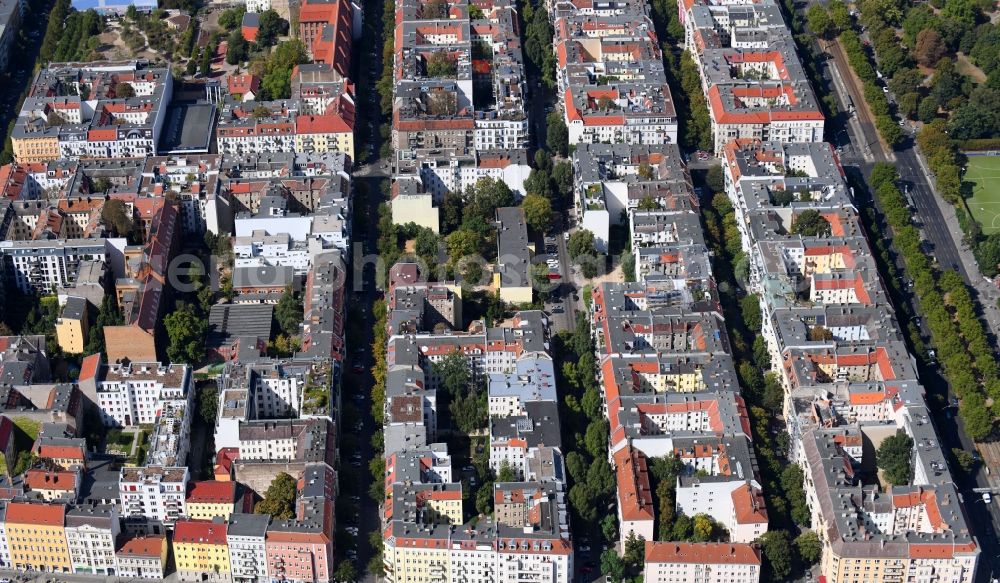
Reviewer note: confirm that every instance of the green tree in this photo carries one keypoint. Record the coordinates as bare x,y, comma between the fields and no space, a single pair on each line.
271,27
634,552
581,498
232,18
453,371
810,223
809,548
648,203
486,197
205,67
279,500
557,134
819,21
288,312
609,527
442,64
451,211
612,565
750,308
462,243
581,243
208,404
774,394
115,214
506,473
345,572
893,458
238,48
186,333
426,245
777,555
124,90
595,440
470,411
537,212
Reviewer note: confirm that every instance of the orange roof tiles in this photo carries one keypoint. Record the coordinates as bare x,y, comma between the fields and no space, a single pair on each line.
144,546
38,479
39,514
634,495
702,553
748,503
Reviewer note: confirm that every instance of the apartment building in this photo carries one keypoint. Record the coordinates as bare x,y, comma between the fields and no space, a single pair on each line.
611,80
668,380
153,497
459,109
245,535
513,275
36,537
209,499
73,325
528,537
44,266
136,393
192,181
200,549
142,557
752,78
73,111
610,180
91,535
669,562
848,377
325,26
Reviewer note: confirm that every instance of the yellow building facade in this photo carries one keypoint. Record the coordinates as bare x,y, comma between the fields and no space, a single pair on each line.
72,326
36,535
40,149
200,550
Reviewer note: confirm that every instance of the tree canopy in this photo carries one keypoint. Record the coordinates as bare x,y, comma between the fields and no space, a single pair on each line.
279,500
810,223
893,458
186,333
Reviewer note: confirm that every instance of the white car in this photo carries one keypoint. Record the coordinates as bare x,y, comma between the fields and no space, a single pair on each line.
987,498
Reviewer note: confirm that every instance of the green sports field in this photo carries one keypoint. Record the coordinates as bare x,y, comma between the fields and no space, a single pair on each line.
984,174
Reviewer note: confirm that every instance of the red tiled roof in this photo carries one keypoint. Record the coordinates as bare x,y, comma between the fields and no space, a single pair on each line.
143,546
61,452
212,492
200,532
39,514
89,367
45,480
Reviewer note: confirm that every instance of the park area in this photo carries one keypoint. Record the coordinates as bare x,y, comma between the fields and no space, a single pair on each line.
984,174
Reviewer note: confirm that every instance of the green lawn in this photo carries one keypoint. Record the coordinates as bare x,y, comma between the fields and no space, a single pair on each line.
984,173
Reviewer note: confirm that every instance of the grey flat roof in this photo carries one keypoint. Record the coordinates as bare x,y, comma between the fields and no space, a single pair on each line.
188,129
229,321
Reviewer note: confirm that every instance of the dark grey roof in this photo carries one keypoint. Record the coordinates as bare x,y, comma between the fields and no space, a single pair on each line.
263,276
230,321
539,427
248,525
75,308
512,247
